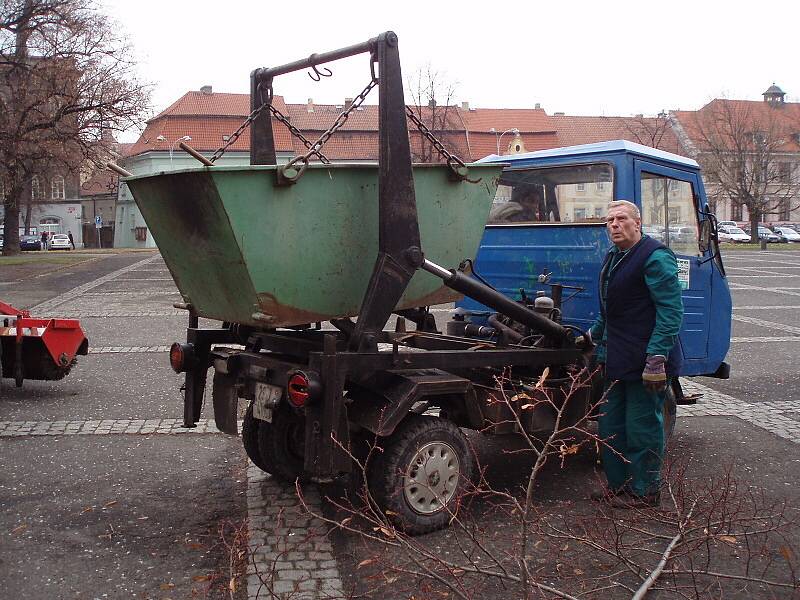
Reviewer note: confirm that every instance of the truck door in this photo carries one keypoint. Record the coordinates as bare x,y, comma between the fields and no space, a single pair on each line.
668,200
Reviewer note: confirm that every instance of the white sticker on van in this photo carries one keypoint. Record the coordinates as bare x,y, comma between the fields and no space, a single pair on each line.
683,272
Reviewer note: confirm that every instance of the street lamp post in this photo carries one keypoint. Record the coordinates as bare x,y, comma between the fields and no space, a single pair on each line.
183,138
499,136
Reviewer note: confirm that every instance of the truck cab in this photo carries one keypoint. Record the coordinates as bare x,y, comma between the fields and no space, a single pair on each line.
547,226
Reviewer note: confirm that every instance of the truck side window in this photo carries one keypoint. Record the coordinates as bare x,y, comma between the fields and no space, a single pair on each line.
669,214
570,194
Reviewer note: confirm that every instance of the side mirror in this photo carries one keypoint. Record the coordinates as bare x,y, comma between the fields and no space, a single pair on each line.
706,234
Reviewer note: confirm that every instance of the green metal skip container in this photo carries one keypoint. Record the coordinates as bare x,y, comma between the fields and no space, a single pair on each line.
242,249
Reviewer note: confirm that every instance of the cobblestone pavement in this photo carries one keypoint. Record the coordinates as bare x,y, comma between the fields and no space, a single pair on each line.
286,559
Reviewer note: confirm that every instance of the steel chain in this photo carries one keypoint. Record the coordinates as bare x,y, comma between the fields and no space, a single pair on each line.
279,116
326,135
315,149
456,164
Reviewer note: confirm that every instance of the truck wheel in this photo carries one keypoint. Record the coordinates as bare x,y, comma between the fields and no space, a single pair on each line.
421,474
282,444
250,433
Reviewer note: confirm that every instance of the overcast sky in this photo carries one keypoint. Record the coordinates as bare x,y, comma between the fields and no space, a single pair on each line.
581,58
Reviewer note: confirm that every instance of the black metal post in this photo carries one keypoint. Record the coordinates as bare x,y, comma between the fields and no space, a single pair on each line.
399,252
262,141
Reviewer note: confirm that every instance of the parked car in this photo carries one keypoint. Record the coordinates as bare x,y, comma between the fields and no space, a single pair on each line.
683,234
787,234
722,224
766,234
60,241
731,233
654,231
30,242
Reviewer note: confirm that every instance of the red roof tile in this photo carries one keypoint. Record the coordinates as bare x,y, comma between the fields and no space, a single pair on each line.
214,115
209,104
650,131
745,115
527,120
364,118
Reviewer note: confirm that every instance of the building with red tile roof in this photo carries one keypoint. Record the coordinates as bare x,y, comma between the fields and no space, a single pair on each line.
725,133
208,118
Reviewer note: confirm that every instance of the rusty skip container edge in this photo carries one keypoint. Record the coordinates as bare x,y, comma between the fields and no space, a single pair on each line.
237,244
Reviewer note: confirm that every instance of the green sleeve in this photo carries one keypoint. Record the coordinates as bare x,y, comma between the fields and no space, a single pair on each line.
598,328
661,278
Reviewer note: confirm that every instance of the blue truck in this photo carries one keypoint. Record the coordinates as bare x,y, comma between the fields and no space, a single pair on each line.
547,227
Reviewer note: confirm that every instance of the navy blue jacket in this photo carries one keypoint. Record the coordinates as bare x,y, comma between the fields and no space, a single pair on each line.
630,314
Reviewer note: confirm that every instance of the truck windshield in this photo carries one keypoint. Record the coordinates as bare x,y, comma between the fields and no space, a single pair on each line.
569,194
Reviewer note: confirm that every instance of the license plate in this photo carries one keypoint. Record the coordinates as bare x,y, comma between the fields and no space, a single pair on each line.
267,398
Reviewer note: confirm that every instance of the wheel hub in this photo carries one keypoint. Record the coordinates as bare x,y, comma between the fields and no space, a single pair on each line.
432,478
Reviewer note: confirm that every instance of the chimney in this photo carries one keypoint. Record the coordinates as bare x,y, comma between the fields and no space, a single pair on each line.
348,102
558,114
206,89
465,106
537,106
310,105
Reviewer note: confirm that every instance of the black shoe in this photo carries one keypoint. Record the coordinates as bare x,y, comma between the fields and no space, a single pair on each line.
605,494
627,501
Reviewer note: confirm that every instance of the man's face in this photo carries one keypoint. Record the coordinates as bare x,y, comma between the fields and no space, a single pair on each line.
623,228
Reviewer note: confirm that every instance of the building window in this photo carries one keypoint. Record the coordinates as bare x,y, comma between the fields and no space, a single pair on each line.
36,190
580,188
600,186
57,188
736,211
785,172
785,209
50,224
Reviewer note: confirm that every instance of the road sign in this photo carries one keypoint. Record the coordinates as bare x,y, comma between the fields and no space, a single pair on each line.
98,221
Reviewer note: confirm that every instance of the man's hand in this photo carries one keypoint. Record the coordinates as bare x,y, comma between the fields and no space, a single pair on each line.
654,375
584,342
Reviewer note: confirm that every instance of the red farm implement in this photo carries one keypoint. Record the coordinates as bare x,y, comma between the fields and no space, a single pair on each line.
34,348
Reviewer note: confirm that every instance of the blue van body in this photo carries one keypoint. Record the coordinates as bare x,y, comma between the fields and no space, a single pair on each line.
527,256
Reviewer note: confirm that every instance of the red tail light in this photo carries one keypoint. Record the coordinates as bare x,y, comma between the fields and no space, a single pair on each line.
297,389
181,357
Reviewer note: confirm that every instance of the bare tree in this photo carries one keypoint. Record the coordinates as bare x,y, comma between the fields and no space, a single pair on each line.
65,79
655,132
742,148
431,97
713,538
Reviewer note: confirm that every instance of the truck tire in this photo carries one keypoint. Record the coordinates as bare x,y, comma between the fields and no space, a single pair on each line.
282,444
421,474
250,431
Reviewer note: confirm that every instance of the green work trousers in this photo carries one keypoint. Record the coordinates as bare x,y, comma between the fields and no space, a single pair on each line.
632,423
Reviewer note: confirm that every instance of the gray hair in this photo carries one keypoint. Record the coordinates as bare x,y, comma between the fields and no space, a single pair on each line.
632,208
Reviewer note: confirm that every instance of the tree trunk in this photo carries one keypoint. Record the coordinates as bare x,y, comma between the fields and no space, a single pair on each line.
755,219
11,226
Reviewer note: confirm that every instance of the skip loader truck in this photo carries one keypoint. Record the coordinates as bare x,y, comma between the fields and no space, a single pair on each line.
304,264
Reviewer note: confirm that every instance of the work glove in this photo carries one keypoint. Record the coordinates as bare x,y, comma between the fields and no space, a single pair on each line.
654,375
584,342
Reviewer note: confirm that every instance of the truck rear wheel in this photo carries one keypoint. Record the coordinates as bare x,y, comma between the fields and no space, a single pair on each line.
282,444
250,433
422,473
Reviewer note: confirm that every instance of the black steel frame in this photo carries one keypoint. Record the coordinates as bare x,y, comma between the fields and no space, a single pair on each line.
352,354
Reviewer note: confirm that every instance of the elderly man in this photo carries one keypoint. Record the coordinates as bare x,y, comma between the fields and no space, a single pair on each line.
636,333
